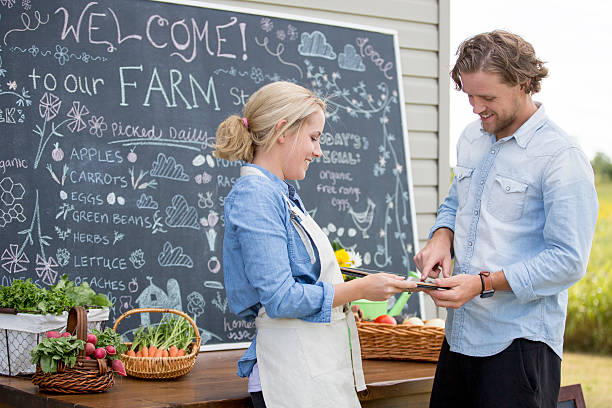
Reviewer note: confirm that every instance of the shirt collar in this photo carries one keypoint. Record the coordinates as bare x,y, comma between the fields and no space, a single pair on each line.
280,184
525,133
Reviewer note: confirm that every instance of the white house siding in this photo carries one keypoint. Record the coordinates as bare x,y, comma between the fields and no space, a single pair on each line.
423,34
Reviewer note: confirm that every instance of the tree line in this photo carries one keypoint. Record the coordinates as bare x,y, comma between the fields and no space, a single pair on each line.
602,166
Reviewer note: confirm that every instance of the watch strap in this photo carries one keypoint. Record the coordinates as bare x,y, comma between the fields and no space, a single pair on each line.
487,284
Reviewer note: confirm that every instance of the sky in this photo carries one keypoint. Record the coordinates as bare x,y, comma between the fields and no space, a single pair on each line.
573,38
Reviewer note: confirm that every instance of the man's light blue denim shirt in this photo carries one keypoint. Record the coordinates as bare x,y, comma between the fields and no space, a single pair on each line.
265,262
527,205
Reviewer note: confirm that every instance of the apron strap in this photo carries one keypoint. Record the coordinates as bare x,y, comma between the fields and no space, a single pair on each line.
355,352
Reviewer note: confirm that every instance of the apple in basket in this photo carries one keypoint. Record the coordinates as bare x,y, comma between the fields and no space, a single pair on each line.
385,319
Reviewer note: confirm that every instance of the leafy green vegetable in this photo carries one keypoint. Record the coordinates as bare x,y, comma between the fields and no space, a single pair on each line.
50,351
82,295
26,296
109,337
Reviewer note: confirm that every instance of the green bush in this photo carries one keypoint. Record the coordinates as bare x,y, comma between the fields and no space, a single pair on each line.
589,314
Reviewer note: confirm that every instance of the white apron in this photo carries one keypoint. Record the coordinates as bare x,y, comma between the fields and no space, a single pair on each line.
303,364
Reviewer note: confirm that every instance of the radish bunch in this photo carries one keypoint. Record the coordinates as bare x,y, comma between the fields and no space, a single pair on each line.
103,351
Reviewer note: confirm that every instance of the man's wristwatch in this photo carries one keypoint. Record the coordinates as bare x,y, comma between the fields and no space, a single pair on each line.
487,284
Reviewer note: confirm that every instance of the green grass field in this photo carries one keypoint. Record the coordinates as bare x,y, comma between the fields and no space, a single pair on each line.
593,372
589,327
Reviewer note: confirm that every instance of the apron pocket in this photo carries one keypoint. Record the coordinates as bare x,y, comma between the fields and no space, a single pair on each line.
326,348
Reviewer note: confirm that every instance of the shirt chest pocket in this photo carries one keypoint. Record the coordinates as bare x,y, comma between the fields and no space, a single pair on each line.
300,247
507,198
463,177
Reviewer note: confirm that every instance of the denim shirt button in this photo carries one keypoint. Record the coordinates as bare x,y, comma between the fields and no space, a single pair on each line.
492,151
475,212
470,243
507,188
481,182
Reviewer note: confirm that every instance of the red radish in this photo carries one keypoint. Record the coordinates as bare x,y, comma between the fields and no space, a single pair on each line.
110,350
66,334
87,358
91,338
89,349
100,353
53,334
57,153
118,367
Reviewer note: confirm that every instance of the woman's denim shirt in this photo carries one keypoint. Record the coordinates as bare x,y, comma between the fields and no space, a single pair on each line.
265,262
527,205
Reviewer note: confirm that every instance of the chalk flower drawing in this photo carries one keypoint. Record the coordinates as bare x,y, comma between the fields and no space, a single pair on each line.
13,261
49,106
266,24
45,271
292,32
61,54
8,3
34,50
77,112
12,85
97,126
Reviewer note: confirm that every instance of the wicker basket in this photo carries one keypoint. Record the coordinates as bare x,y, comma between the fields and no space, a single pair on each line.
399,342
86,376
160,367
20,332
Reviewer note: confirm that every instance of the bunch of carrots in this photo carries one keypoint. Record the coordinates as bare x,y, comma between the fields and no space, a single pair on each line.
170,338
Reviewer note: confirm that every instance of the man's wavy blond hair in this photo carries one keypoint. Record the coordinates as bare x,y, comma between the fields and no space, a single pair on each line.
502,53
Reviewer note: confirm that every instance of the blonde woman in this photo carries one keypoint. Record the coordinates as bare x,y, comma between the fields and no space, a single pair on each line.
279,266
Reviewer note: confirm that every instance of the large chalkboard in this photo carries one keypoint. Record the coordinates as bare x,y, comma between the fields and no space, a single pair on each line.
108,112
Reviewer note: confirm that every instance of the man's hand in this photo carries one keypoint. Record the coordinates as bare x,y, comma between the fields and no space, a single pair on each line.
436,255
463,288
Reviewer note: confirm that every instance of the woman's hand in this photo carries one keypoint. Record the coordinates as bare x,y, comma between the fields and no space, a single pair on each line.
382,286
378,286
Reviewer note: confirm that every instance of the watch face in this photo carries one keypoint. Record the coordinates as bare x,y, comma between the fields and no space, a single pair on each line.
487,293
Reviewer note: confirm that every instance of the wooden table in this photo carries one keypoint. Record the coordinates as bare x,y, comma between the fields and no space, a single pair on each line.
213,384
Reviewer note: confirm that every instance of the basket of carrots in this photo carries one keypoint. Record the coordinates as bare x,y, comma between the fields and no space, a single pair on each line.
162,351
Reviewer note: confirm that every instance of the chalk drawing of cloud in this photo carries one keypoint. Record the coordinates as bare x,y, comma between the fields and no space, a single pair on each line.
349,59
180,214
174,256
147,202
167,167
316,45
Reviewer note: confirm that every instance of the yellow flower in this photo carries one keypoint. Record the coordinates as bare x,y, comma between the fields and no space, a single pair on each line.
343,258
